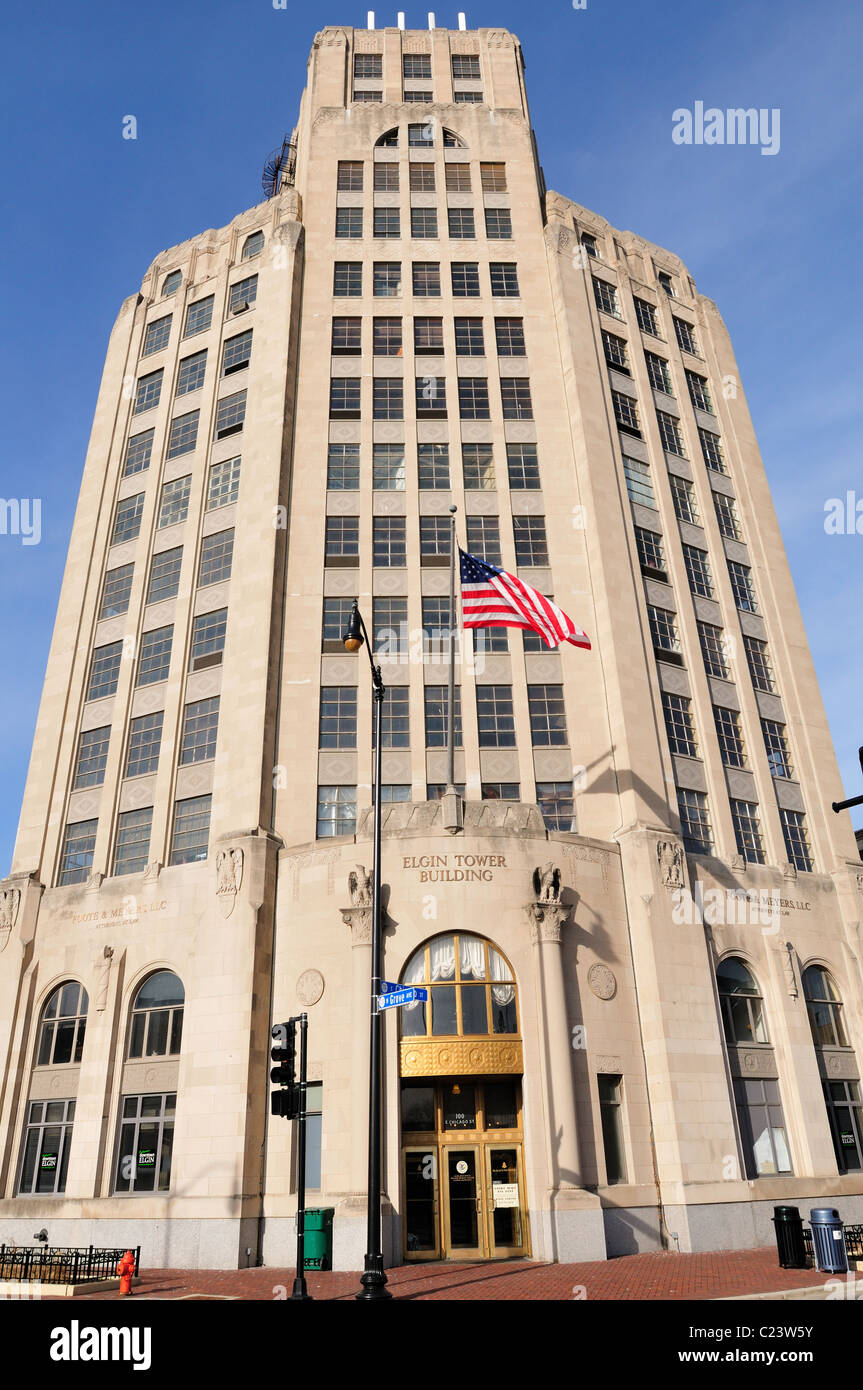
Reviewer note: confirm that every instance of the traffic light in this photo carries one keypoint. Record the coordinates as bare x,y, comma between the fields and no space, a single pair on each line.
286,1100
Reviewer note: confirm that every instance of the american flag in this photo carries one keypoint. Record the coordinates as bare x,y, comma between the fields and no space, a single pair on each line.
492,598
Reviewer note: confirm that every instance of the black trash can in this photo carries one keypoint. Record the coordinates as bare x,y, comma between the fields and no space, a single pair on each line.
828,1240
789,1237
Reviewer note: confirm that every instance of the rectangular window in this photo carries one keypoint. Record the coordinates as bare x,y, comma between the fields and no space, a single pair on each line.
387,279
461,223
156,336
606,298
469,98
223,484
436,628
348,279
651,555
469,341
555,801
419,97
645,315
433,464
421,176
421,136
368,65
47,1140
698,571
495,716
711,448
237,353
428,336
345,397
666,282
669,433
116,591
638,483
386,337
660,376
371,97
183,435
478,467
762,1128
695,827
145,741
760,667
342,538
663,631
611,1118
208,639
199,316
217,553
349,224
386,179
104,670
343,467
390,627
242,294
395,718
424,223
92,757
504,280
389,542
473,402
337,811
515,398
713,650
776,745
436,790
747,831
547,716
683,497
200,728
418,66
191,373
531,545
154,659
626,413
699,392
498,224
138,453
127,519
509,336
165,575
493,178
387,222
796,839
483,538
230,415
457,178
677,710
388,398
148,391
588,242
191,836
726,516
388,468
465,279
437,714
350,176
743,587
132,848
336,616
615,352
465,65
145,1144
730,736
76,859
500,791
435,538
685,336
523,467
174,504
430,397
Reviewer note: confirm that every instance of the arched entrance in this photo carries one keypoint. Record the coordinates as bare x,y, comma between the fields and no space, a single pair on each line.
461,1105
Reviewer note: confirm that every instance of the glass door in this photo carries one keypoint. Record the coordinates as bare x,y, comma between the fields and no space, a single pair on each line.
463,1206
504,1201
422,1207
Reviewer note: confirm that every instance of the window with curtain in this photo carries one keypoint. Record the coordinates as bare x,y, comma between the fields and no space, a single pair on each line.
471,989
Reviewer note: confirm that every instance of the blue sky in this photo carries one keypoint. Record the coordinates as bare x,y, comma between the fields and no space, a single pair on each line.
213,87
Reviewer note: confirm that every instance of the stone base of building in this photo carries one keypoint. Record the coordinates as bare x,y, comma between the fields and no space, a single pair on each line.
744,1225
174,1243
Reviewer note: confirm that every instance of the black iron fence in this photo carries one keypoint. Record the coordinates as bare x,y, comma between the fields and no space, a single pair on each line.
853,1243
57,1264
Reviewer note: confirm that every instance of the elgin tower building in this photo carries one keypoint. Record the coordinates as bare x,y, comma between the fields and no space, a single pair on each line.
640,938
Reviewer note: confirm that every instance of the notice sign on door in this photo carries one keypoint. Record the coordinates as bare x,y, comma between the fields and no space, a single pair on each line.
505,1194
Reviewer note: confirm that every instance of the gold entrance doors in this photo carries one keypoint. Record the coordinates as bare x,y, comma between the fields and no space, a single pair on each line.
463,1169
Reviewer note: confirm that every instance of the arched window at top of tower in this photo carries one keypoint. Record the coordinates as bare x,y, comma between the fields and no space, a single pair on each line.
389,139
172,283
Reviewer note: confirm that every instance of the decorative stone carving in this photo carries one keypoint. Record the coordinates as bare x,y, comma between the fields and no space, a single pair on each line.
546,883
609,1064
564,239
428,1057
860,883
669,854
94,883
602,981
360,885
152,871
359,919
547,913
310,987
229,876
499,38
331,38
10,901
790,974
790,871
104,975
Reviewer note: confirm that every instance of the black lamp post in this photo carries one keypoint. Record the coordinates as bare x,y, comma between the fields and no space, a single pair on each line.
374,1279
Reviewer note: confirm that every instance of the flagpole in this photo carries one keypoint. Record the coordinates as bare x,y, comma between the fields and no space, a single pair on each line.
452,805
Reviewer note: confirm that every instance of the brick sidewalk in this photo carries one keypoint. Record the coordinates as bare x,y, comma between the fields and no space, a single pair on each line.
655,1276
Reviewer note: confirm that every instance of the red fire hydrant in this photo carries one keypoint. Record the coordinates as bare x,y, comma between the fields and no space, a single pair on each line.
125,1269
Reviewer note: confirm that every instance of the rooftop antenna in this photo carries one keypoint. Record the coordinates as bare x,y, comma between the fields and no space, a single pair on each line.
462,19
431,19
370,19
401,19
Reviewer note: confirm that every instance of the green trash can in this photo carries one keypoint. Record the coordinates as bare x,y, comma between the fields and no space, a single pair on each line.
318,1230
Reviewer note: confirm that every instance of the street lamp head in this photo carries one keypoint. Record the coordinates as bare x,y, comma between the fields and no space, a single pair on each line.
353,638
